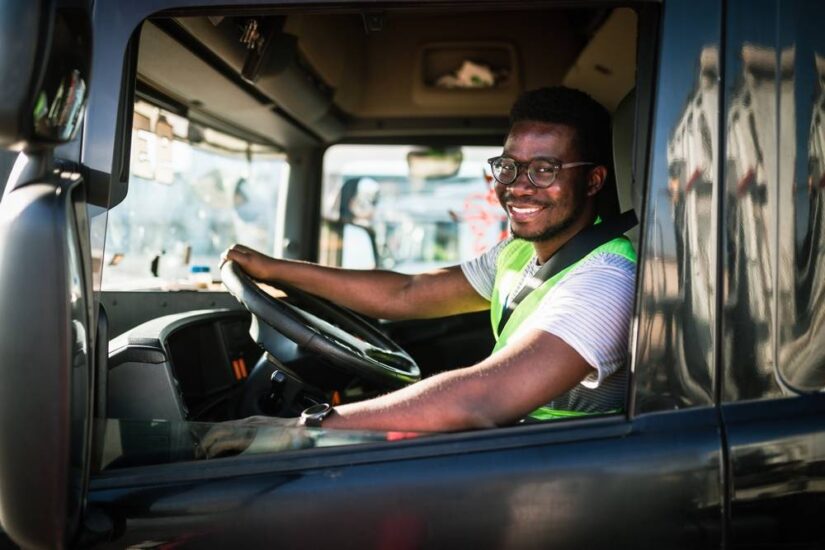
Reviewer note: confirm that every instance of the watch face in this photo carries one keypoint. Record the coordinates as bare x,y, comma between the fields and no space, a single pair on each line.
314,415
318,409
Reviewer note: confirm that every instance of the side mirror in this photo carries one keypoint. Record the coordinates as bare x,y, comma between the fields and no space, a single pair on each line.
45,425
44,71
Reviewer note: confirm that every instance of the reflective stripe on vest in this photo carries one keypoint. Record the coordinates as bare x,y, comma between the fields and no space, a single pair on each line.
510,267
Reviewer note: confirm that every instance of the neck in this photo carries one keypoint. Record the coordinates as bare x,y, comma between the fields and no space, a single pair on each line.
546,249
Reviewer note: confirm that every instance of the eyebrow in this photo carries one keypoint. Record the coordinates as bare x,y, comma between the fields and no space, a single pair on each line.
543,157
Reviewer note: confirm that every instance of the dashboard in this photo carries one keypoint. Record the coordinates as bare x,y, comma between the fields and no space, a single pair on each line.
189,366
204,366
210,360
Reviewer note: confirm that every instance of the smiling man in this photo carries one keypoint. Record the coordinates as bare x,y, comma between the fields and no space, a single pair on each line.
561,351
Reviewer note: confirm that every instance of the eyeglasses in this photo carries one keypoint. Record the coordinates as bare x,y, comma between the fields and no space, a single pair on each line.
541,172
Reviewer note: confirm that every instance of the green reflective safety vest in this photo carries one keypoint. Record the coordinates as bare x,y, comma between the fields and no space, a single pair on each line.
510,267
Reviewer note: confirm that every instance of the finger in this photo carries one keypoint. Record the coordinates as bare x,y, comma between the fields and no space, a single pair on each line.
241,249
220,440
225,255
223,447
236,250
236,256
230,443
212,437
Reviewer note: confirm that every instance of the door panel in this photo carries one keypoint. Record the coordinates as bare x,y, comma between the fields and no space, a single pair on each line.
775,261
588,484
777,457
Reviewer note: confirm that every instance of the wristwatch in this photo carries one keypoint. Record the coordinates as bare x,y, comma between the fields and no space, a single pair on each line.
313,416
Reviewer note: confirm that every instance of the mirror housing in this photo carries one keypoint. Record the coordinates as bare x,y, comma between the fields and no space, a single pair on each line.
45,362
44,71
431,164
45,279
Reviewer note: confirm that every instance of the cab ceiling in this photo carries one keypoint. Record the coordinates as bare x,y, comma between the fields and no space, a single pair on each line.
322,78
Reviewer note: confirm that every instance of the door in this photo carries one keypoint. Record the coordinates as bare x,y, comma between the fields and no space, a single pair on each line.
774,368
650,476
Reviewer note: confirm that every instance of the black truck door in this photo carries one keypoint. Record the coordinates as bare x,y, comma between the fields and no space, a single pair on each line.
774,368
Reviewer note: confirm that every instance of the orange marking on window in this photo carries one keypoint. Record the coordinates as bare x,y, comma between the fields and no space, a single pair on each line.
242,365
336,398
237,369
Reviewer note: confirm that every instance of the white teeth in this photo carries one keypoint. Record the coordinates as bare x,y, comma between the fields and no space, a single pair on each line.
530,210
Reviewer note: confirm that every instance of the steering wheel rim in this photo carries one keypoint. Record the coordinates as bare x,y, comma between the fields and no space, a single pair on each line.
369,353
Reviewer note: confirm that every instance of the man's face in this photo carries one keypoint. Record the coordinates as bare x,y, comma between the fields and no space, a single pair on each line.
540,214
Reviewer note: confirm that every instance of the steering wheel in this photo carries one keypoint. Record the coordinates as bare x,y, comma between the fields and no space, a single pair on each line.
315,324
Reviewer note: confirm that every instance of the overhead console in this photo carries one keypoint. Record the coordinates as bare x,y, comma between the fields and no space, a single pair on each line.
209,93
263,63
452,74
305,79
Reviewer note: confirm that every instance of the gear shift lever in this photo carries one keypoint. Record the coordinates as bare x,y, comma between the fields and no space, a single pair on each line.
277,385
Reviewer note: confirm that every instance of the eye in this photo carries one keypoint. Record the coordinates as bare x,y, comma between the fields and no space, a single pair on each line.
543,168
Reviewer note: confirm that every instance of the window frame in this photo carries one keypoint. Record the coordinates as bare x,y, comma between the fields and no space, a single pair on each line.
447,444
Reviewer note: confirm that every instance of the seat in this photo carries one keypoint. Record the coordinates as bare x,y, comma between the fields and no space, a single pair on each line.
628,195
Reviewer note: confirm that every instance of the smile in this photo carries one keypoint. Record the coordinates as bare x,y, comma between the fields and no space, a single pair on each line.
523,213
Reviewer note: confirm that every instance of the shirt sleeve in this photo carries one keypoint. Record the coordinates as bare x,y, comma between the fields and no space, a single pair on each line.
481,270
591,309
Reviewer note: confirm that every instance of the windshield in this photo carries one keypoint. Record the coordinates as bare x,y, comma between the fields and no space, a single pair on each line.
193,191
423,208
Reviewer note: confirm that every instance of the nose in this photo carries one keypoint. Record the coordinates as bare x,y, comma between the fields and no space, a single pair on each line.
522,185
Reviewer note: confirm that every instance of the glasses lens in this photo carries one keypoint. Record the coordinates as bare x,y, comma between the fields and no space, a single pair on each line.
542,172
504,170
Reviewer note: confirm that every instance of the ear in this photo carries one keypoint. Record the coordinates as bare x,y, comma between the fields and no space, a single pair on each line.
595,180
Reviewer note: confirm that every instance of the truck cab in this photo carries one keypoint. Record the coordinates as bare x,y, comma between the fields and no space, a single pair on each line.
141,140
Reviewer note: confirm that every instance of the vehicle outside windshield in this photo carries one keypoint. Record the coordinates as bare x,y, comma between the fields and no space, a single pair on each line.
418,212
193,191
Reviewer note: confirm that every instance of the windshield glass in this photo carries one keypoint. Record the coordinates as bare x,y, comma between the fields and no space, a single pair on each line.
193,191
421,208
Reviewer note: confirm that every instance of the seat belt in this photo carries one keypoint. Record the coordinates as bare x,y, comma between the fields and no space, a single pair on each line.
582,244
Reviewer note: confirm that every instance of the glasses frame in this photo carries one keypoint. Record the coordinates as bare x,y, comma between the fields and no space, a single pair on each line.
519,165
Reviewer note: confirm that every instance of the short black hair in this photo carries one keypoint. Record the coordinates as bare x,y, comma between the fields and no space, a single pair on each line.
562,105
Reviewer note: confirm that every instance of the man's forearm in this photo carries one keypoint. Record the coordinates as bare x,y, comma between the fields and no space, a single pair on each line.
449,401
375,293
380,293
496,392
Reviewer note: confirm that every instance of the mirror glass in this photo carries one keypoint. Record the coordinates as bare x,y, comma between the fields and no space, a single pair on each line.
58,104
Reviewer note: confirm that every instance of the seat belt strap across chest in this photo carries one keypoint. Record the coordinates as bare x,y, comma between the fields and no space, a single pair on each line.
582,244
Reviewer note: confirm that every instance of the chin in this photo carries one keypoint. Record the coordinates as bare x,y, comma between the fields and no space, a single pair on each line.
534,237
541,234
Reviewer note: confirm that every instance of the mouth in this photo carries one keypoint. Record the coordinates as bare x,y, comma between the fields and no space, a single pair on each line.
523,213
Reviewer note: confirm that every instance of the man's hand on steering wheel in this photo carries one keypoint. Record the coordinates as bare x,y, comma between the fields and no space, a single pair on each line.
257,265
317,325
